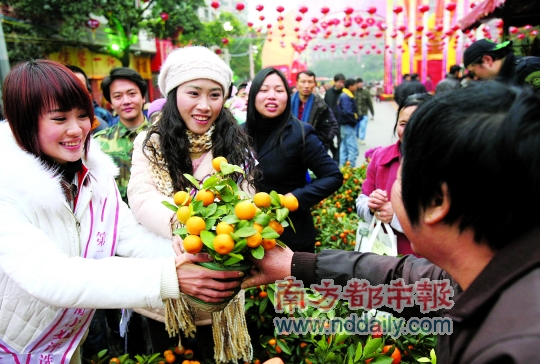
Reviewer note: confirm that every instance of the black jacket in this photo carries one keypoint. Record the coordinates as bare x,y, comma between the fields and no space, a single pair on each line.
496,320
323,121
331,97
284,170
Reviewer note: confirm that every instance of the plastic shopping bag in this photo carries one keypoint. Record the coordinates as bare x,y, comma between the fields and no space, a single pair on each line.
380,239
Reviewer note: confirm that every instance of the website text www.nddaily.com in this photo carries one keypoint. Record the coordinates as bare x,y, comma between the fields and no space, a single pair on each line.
364,325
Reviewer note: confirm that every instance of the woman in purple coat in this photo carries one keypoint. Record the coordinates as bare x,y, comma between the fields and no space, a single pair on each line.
381,174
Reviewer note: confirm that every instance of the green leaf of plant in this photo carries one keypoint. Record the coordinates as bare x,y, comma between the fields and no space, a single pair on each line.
211,209
284,346
258,252
372,346
180,231
330,357
210,224
227,168
234,258
274,197
423,360
358,353
198,208
269,233
281,214
245,232
193,180
242,224
239,246
210,182
170,205
262,306
281,244
230,219
208,239
262,218
382,360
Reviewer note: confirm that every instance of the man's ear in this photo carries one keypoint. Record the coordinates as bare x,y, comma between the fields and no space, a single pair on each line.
487,59
440,205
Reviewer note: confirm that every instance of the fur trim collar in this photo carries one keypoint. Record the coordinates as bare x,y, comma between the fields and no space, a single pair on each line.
25,177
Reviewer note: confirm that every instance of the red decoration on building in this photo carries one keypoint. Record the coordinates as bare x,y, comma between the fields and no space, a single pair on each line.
259,8
240,6
419,28
398,9
372,10
451,6
349,11
303,9
92,23
280,9
314,20
298,18
325,10
280,18
423,8
261,18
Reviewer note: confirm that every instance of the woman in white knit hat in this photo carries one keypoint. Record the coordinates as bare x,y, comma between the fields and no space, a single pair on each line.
194,127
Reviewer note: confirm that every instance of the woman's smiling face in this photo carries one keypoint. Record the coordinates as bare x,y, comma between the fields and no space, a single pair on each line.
272,98
199,103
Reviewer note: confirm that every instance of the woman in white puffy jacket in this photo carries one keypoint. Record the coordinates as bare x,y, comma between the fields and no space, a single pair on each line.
68,244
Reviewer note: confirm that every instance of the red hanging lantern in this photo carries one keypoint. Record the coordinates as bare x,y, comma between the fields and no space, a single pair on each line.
402,28
373,46
398,9
269,39
323,49
372,10
358,20
419,28
378,35
280,9
303,9
344,34
418,36
364,26
407,35
259,8
451,6
368,51
324,25
360,46
240,6
439,28
314,20
280,18
325,10
164,16
250,24
297,29
281,27
379,51
423,8
92,23
261,18
269,26
298,18
393,35
383,26
370,21
349,11
215,4
353,34
225,41
347,24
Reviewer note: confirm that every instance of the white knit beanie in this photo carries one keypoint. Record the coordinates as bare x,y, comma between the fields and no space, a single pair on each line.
192,63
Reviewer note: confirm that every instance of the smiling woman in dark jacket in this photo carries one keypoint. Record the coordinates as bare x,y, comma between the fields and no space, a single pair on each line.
286,148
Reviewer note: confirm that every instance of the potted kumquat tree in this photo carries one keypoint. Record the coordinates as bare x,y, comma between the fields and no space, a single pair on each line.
228,224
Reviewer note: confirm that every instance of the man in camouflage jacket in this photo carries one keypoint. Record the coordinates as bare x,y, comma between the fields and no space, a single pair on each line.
125,90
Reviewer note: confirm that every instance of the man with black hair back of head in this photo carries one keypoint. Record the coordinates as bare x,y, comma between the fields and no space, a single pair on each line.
398,90
348,118
451,81
488,60
311,108
331,98
125,89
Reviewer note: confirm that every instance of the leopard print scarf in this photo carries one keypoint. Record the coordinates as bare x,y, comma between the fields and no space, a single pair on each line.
200,143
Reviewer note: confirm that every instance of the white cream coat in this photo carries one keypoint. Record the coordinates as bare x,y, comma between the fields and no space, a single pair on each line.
40,247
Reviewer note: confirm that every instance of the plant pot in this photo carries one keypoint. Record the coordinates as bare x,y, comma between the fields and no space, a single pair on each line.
242,266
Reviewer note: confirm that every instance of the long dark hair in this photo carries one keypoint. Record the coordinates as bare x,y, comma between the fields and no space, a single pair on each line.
253,116
228,140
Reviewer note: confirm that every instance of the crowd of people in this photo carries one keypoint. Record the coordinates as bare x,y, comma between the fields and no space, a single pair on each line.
81,197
